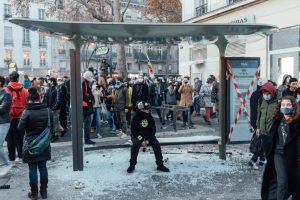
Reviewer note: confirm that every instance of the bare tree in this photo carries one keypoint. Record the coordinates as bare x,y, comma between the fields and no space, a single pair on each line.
84,10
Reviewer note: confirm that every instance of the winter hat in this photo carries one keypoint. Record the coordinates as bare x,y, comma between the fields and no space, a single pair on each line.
261,81
143,105
269,87
88,75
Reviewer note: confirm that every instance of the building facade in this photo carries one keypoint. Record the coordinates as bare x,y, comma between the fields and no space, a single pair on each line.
279,53
30,51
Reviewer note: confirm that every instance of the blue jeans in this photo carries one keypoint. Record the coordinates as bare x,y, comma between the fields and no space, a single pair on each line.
87,122
196,105
33,176
3,132
97,113
111,119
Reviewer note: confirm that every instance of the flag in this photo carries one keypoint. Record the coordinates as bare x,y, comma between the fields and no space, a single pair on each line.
151,73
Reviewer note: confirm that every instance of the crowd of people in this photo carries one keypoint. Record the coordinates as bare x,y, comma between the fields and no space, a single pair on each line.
28,109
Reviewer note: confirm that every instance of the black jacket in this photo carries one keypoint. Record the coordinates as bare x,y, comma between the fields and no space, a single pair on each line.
256,95
143,124
52,98
5,102
88,97
33,122
215,93
139,93
287,92
62,89
291,155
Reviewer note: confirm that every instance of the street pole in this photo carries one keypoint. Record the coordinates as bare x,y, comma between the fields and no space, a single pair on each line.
223,108
76,108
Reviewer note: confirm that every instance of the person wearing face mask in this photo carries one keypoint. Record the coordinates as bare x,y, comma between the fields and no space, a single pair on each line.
110,95
292,87
53,101
265,110
97,93
281,179
186,91
128,84
121,104
140,91
254,99
87,104
284,85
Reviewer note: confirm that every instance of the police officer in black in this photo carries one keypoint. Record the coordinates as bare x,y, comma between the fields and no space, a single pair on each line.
142,134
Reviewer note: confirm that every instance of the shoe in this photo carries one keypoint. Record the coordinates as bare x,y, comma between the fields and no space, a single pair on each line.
99,136
5,169
163,168
90,142
54,138
123,136
204,118
262,163
208,122
183,125
33,194
252,165
43,189
130,169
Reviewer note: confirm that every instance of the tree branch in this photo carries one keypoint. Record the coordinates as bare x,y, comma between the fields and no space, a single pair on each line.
124,11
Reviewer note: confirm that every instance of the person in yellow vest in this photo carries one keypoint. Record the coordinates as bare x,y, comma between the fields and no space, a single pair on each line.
128,84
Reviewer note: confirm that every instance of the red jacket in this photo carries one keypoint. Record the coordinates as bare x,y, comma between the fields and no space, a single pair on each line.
19,99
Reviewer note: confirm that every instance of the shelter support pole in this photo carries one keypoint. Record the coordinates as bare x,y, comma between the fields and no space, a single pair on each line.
76,106
223,108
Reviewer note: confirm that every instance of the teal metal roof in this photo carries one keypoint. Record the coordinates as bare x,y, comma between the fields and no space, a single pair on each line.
144,31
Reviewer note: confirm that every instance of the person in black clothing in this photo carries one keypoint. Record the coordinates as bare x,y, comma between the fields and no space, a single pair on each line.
53,101
62,89
33,122
140,91
281,177
143,133
292,87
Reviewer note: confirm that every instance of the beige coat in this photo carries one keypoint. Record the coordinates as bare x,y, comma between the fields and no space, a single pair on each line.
186,98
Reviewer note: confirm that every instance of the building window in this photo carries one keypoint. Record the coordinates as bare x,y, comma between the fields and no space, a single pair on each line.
25,12
202,8
129,66
159,53
230,2
62,65
8,36
41,14
128,51
60,4
149,51
42,41
26,37
7,11
42,59
26,59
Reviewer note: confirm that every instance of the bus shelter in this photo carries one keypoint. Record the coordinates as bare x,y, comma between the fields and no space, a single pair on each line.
108,33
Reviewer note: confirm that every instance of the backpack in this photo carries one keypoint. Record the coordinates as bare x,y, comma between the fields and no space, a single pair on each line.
17,102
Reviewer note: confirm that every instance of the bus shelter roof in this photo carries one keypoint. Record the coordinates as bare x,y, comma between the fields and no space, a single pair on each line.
141,31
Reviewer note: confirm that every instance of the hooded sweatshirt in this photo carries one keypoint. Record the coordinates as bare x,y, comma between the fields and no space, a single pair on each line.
143,125
266,109
19,99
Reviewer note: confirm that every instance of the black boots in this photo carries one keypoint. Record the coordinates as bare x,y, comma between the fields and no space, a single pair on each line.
161,167
130,169
33,194
43,189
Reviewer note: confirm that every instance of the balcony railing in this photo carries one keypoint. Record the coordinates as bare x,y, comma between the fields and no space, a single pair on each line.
6,16
8,42
153,56
206,8
201,10
42,44
26,44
